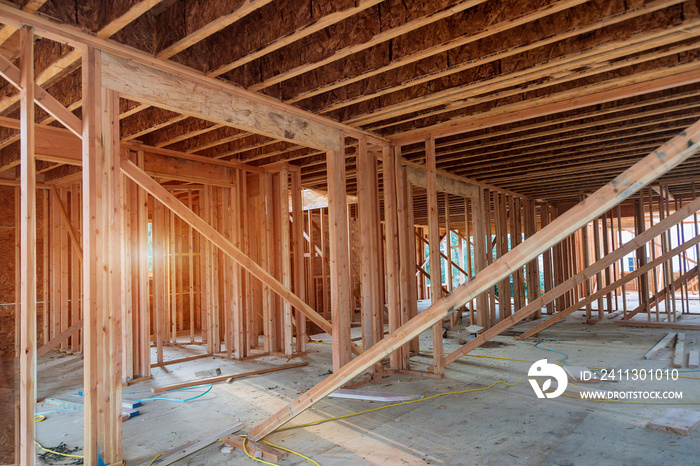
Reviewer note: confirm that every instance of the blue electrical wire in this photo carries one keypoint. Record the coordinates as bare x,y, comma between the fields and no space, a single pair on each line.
563,360
180,401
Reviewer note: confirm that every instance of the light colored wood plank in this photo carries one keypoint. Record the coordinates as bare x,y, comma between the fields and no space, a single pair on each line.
679,351
679,421
177,453
340,272
694,359
435,261
663,343
27,226
172,92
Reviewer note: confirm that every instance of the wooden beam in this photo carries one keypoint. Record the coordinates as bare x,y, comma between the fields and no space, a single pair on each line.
27,263
393,292
45,100
640,174
280,115
501,117
444,183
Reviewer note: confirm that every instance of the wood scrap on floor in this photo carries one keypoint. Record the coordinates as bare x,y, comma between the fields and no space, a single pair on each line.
665,341
679,354
227,378
180,452
255,449
127,412
680,421
694,359
372,396
208,373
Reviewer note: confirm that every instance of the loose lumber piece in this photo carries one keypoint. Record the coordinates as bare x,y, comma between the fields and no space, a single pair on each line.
633,323
627,183
680,421
267,452
694,359
178,361
128,409
180,452
679,352
665,341
372,396
222,378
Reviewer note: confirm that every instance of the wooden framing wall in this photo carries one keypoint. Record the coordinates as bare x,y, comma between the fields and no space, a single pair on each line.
242,268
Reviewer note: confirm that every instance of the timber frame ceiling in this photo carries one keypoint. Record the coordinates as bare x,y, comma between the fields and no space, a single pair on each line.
547,98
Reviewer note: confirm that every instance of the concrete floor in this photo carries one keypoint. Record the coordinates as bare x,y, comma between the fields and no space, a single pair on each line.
501,425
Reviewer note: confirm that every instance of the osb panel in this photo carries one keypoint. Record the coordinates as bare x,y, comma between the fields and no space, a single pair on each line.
542,55
206,138
608,75
145,119
421,39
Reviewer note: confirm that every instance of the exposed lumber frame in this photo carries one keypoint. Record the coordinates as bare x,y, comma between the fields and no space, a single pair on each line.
546,10
172,92
210,27
434,248
67,61
383,36
43,99
187,77
688,276
207,231
341,273
501,54
518,112
319,25
639,175
27,263
603,291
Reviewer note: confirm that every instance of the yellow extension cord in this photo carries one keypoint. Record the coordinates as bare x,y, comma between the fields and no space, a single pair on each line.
39,418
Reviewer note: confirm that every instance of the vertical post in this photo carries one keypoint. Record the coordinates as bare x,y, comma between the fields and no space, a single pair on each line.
286,261
92,158
478,213
391,248
144,285
298,240
340,263
27,297
406,261
369,256
434,245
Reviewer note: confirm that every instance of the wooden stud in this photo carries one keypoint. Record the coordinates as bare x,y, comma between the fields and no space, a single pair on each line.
27,263
340,262
434,239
